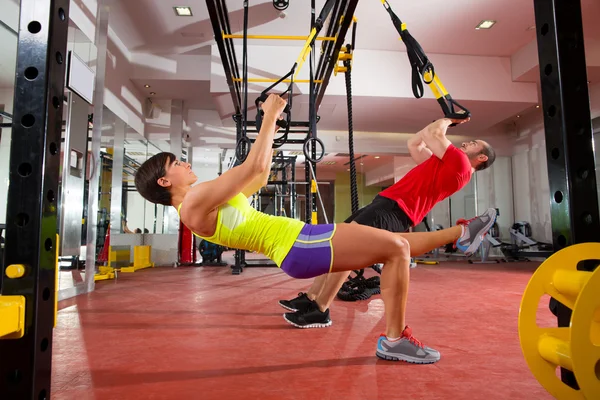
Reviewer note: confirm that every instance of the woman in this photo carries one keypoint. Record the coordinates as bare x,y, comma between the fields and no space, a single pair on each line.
218,211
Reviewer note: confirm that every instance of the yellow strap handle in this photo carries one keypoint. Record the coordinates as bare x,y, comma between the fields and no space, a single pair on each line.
436,85
305,51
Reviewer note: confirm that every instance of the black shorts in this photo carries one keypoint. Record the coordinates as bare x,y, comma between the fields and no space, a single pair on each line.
382,213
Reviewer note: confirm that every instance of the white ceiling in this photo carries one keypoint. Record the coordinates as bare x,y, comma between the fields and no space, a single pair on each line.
441,27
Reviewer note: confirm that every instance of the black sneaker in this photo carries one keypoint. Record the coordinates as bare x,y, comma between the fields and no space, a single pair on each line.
311,318
300,303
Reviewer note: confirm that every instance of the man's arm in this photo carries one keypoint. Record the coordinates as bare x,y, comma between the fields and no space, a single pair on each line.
418,149
434,136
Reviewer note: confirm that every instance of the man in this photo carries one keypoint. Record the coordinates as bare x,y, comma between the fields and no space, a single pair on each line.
442,170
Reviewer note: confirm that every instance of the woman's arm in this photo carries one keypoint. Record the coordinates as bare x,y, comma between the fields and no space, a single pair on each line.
206,196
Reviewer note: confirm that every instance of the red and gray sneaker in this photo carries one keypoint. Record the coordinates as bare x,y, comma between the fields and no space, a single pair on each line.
474,231
407,348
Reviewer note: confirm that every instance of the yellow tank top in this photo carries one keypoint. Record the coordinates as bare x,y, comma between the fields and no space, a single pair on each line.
240,226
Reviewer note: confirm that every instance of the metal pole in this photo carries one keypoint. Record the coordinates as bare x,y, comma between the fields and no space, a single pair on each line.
116,187
567,122
101,43
31,225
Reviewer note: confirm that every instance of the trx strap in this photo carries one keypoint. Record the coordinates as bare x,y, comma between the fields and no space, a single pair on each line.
243,143
285,124
423,69
282,123
320,21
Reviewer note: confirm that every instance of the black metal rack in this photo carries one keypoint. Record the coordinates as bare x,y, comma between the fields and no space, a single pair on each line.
287,182
31,223
569,142
341,17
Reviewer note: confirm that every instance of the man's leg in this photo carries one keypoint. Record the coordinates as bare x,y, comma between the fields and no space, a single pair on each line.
328,282
382,213
317,287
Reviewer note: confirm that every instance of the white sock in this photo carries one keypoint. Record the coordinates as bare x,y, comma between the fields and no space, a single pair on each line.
462,231
393,339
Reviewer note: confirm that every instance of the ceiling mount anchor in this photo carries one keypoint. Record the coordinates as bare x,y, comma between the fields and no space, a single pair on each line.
281,4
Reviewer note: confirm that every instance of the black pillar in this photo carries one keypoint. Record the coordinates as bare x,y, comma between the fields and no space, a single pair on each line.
311,198
25,366
568,126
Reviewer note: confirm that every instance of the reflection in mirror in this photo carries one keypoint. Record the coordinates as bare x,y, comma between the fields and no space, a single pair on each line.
75,166
141,216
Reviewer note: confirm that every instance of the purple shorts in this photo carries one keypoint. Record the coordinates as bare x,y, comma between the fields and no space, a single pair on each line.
312,253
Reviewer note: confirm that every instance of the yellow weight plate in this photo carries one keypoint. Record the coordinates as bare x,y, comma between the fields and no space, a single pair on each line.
585,337
562,264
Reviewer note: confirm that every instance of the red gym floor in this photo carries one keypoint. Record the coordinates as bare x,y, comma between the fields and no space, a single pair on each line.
202,333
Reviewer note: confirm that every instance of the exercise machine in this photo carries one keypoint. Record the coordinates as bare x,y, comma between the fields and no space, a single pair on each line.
211,253
522,246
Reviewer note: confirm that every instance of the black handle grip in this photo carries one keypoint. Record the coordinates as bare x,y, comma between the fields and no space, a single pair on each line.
242,148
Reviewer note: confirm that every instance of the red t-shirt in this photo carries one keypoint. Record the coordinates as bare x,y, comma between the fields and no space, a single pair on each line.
430,182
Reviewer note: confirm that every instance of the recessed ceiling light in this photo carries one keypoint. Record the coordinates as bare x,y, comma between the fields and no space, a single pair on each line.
376,156
485,24
518,116
183,11
537,106
152,93
146,86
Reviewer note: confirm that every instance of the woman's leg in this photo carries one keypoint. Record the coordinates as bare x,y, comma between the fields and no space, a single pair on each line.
357,246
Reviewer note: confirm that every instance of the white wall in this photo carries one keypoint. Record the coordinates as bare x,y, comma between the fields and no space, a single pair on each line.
205,164
530,171
440,215
121,96
136,210
494,190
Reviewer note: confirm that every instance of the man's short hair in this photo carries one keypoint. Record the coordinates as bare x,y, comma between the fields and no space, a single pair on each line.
491,157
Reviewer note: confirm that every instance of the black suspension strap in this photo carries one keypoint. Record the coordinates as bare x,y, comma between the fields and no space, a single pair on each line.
317,26
243,143
287,111
423,71
242,147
